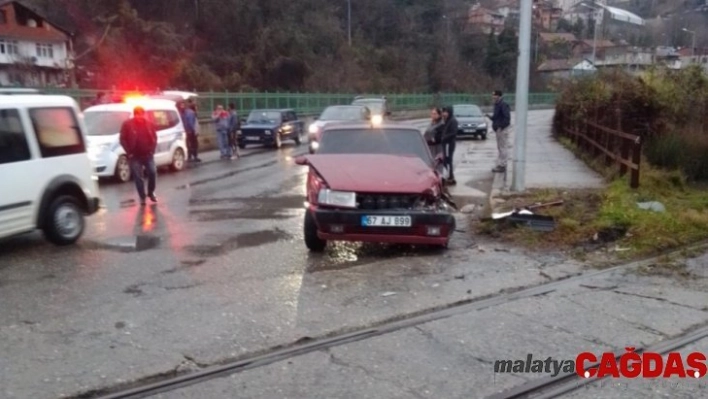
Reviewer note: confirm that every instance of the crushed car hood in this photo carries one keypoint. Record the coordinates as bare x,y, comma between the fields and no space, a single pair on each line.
369,173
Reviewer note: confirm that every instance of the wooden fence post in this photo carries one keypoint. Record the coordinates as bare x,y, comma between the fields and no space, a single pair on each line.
624,154
636,160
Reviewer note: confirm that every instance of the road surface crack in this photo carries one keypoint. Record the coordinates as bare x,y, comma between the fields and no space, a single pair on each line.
634,324
664,300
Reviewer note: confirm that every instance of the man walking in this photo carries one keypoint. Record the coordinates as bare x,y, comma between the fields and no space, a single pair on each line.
501,122
138,136
233,129
448,141
221,118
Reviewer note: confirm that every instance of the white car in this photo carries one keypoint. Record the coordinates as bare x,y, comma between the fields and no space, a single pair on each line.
336,114
108,156
46,181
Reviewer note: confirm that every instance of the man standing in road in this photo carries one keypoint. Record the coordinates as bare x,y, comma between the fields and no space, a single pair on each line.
189,119
138,136
221,118
501,123
233,129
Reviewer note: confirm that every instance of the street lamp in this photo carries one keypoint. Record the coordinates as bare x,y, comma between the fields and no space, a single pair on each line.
693,48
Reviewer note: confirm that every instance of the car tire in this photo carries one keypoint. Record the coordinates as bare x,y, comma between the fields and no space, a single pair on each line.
277,142
123,173
242,145
64,223
298,139
312,241
483,136
178,160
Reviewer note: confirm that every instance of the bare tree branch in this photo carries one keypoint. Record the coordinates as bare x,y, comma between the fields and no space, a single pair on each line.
98,43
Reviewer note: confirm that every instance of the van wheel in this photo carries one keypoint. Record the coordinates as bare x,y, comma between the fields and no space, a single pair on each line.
123,173
64,222
312,241
177,160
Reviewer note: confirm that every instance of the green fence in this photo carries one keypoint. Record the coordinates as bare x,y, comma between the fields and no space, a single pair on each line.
313,103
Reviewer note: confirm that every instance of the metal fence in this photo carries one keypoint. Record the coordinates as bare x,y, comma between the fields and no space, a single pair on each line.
313,103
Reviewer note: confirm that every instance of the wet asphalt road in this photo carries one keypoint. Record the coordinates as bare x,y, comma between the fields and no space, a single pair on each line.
221,271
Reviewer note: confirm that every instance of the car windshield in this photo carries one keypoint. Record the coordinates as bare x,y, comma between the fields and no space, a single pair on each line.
104,123
342,114
263,117
467,111
375,106
406,142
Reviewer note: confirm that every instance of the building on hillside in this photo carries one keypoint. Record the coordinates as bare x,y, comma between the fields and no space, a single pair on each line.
33,51
565,68
546,15
483,20
603,48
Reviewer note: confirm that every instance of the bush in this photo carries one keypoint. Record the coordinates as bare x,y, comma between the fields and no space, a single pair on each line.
668,109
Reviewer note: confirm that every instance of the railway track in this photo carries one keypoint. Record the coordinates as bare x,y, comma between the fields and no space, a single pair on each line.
542,388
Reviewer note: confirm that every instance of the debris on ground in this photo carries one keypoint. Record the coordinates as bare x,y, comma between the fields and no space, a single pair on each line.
385,294
652,206
525,216
469,208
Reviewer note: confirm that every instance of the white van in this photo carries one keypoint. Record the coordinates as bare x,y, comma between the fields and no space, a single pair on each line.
46,180
108,156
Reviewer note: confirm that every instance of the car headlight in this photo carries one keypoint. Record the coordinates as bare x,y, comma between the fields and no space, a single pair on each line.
482,126
376,120
344,199
268,132
313,128
315,145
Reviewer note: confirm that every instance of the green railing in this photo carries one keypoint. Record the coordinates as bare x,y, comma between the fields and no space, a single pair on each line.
313,103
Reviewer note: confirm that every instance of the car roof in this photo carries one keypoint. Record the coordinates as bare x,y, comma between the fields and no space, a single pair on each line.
36,99
184,94
273,110
147,104
367,126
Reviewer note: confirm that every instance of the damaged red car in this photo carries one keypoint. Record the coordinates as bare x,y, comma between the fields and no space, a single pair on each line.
375,184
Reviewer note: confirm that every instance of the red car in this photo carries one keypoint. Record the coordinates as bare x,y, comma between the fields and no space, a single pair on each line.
375,184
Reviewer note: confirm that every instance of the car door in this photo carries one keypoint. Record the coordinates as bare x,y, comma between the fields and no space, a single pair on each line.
164,137
17,169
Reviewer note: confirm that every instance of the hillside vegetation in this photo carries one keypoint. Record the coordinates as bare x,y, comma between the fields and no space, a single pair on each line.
283,45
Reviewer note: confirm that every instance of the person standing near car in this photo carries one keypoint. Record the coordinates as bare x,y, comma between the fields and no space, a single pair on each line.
138,136
233,129
189,120
448,141
221,118
501,122
433,133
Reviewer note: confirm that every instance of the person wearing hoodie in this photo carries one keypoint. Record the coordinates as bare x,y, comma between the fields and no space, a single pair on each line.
448,141
221,118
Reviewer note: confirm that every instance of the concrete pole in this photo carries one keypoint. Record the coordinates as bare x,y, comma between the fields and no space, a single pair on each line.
522,96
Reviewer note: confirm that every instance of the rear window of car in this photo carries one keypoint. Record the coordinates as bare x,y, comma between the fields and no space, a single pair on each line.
13,142
57,130
407,142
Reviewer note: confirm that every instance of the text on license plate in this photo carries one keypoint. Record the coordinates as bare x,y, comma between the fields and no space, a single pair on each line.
469,130
393,221
252,138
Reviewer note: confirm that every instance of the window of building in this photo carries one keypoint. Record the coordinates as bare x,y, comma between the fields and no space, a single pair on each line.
3,17
57,131
13,142
10,47
45,50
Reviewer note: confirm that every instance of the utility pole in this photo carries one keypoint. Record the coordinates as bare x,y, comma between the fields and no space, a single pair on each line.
349,19
693,48
522,95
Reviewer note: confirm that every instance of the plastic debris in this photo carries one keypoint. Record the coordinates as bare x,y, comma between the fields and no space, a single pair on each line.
652,206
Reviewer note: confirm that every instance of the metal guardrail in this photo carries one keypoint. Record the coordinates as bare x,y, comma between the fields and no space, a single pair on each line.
313,103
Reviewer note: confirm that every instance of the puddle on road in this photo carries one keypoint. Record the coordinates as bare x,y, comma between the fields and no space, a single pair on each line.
136,243
227,175
239,241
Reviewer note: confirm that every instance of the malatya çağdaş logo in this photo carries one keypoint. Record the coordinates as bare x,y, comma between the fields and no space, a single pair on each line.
630,364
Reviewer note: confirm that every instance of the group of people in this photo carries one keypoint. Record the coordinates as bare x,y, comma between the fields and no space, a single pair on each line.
441,135
227,125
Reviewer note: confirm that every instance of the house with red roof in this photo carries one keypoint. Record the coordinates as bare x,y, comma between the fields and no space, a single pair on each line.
33,51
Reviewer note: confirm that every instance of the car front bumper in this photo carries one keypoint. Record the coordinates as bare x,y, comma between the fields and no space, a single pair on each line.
471,131
104,163
345,225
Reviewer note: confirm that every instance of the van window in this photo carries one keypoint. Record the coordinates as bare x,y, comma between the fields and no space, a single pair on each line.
57,131
163,119
13,142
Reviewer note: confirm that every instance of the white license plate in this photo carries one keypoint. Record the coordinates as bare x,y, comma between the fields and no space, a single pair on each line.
253,138
469,130
392,221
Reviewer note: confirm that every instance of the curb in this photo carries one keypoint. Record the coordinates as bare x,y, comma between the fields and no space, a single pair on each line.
498,188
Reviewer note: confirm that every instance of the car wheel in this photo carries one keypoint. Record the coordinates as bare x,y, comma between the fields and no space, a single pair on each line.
484,136
298,139
123,172
312,241
64,222
242,145
177,160
278,141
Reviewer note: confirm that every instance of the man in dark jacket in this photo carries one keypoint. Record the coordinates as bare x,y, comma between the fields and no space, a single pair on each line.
501,124
138,136
448,141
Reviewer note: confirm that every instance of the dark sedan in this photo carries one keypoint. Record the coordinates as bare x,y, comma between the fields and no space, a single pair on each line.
470,120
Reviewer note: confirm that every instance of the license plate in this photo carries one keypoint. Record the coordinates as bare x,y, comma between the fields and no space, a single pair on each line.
469,130
253,138
392,221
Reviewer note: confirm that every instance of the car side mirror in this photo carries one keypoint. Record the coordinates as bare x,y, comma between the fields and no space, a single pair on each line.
301,160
